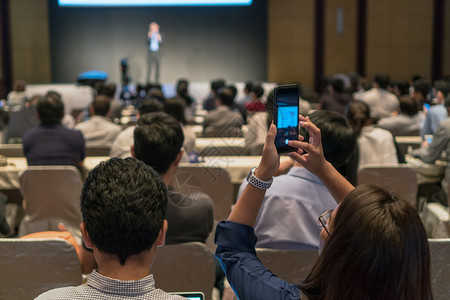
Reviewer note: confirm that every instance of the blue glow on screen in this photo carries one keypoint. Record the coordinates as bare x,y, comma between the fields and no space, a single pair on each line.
151,2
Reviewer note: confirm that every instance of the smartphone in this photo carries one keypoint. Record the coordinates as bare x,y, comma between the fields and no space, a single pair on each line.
286,100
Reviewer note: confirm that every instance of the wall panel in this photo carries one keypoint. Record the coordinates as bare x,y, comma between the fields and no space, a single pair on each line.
446,68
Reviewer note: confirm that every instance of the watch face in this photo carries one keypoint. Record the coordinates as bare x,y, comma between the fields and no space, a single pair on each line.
252,171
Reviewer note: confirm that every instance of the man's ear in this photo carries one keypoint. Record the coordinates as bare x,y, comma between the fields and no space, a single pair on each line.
161,239
176,162
86,239
132,151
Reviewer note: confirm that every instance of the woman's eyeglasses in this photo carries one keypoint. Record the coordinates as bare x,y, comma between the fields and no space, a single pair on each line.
324,219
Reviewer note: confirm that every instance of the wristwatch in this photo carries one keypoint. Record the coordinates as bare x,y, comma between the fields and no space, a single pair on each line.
258,183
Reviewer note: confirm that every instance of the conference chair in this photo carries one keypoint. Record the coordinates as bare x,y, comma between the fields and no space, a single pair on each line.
290,265
30,267
98,150
11,150
440,268
213,181
51,195
398,179
184,267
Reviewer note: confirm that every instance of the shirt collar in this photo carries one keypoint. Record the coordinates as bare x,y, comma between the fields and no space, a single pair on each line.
120,287
303,173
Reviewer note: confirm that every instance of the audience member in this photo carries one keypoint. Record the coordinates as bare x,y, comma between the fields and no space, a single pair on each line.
255,104
400,88
175,107
158,141
246,98
437,113
123,204
222,121
420,92
441,142
235,106
22,120
210,102
51,143
335,99
17,96
375,145
287,218
68,120
373,245
99,130
381,102
183,93
408,122
122,144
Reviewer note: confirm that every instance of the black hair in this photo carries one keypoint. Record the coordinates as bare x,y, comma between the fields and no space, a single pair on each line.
182,90
101,105
158,139
150,105
233,90
358,115
382,80
225,95
443,87
337,84
248,87
50,108
258,91
123,203
175,108
108,89
408,106
338,138
217,84
422,86
402,87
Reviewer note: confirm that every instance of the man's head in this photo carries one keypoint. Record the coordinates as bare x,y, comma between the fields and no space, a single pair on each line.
50,108
158,140
123,204
100,105
442,89
217,84
337,84
257,91
421,89
381,80
225,97
338,139
149,106
408,106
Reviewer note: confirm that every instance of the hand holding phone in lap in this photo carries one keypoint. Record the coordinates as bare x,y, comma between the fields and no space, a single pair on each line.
285,114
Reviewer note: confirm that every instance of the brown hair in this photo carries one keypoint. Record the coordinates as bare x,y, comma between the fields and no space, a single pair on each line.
378,249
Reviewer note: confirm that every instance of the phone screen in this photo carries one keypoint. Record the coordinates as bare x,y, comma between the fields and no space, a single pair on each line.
286,116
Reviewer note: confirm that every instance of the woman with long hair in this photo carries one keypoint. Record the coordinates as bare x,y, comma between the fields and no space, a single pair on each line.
374,244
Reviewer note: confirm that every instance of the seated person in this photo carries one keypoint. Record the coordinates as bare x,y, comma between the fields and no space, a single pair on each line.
375,145
368,223
22,120
99,130
17,96
407,122
158,141
210,102
123,204
222,121
287,218
436,113
334,98
255,104
122,144
51,143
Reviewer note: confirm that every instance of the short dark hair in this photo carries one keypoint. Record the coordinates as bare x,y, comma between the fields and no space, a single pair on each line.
382,80
443,87
225,95
50,108
378,249
108,89
175,108
158,139
150,105
358,115
258,91
101,105
337,84
408,106
422,86
217,84
123,203
338,139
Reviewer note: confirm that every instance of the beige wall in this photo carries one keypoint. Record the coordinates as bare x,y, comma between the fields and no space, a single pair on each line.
290,53
340,48
399,37
30,44
446,68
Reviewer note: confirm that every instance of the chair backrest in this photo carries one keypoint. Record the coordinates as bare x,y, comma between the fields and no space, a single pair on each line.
184,267
440,268
290,265
398,179
51,195
215,182
98,151
30,267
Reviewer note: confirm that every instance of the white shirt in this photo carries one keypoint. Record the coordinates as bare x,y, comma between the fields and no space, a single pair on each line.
381,102
288,218
99,131
376,146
